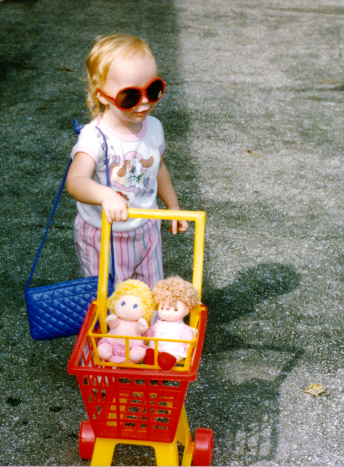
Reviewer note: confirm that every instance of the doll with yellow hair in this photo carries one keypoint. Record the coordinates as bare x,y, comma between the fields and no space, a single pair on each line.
131,306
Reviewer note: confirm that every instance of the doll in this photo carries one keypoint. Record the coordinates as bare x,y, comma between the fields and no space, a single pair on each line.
175,298
131,306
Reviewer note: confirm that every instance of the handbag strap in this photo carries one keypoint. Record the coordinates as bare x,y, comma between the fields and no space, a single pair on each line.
77,130
108,184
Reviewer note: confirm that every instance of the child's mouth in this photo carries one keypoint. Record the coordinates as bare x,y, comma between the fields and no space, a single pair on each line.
142,112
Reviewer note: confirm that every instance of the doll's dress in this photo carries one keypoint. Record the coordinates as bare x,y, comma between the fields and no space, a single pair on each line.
118,350
171,330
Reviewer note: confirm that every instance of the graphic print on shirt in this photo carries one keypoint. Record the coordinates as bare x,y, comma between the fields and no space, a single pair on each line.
129,173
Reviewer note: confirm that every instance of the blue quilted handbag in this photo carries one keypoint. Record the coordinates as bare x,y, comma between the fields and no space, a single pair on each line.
58,310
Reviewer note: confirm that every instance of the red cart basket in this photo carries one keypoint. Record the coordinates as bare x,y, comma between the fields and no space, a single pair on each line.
137,403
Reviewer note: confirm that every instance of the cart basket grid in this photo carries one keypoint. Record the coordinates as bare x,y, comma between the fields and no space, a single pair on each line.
127,403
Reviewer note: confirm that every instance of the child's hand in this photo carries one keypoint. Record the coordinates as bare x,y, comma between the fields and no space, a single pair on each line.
178,226
83,188
115,207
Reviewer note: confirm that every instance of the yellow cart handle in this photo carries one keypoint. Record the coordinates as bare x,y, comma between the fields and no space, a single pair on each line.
195,216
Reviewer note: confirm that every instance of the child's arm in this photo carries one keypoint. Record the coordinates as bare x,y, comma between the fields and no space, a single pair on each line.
168,196
81,187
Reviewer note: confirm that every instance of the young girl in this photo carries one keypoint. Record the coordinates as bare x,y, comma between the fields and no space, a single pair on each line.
123,88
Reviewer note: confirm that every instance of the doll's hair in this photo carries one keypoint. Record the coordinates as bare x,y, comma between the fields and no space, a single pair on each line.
175,289
138,289
104,50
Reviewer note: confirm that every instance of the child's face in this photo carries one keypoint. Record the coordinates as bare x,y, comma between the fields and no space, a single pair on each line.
125,73
173,312
128,307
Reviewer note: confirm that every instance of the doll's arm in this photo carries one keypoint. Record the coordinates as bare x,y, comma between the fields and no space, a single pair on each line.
168,196
141,326
81,187
112,321
151,331
188,333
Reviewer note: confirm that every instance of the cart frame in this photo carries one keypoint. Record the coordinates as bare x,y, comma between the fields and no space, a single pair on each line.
136,404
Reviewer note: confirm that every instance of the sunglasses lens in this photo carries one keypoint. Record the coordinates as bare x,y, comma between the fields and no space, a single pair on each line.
155,90
128,98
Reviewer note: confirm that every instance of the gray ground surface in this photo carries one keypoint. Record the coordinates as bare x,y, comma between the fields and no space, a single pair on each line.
253,116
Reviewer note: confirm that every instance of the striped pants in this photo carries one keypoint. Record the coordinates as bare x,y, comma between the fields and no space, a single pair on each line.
138,253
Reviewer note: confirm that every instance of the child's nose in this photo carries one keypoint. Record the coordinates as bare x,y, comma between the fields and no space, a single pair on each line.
168,308
144,99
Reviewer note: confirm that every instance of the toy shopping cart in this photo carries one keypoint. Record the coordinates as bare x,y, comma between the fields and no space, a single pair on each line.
139,404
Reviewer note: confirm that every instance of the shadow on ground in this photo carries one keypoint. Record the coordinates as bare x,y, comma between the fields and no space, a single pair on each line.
239,384
251,287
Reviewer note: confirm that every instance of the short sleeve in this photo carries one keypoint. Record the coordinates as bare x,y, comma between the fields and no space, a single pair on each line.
89,143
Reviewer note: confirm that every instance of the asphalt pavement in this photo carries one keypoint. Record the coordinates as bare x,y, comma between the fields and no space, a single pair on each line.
253,118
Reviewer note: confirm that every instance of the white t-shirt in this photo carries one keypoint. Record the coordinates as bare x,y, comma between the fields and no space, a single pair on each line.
134,162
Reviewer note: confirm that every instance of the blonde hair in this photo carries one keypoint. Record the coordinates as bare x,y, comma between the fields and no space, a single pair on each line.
175,289
138,289
105,49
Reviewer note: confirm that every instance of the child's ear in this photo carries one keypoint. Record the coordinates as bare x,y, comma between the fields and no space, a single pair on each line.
101,98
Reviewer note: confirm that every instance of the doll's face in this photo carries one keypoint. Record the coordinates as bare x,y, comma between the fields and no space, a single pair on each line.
127,73
173,312
128,307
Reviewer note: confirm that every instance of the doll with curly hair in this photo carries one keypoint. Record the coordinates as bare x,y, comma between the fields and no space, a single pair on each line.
176,298
131,306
